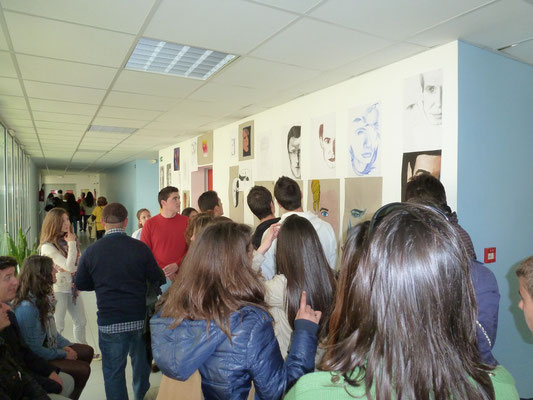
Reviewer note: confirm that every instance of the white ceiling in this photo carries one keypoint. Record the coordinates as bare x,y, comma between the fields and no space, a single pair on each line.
62,62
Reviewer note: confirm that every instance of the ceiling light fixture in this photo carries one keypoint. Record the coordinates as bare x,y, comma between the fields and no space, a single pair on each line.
113,129
176,59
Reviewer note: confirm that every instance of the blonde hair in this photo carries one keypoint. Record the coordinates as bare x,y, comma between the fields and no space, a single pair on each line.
51,230
315,188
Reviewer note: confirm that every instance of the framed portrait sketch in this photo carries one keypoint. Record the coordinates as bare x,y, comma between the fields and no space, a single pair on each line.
246,141
204,146
176,158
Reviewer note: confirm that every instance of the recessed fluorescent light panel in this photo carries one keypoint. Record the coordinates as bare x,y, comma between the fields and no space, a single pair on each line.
113,129
176,59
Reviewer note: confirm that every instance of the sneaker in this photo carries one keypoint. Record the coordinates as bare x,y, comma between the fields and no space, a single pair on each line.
97,357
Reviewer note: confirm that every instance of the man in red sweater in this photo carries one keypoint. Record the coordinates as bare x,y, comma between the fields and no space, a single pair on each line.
164,234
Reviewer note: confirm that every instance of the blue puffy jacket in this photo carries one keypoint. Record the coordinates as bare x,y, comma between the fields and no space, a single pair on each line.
228,368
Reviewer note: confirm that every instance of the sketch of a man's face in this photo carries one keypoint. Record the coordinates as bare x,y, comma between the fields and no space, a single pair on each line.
431,83
364,141
293,149
425,164
246,141
327,144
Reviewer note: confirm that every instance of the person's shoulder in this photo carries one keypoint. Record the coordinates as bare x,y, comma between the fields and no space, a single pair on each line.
504,384
251,315
317,384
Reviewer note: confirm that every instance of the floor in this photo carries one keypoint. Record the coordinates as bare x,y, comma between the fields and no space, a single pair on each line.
94,390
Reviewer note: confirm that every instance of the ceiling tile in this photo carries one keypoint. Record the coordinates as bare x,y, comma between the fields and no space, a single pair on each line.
200,108
155,84
299,6
524,51
395,20
3,42
58,117
497,25
63,132
6,65
236,95
239,26
66,107
65,41
65,72
53,91
10,86
60,126
16,102
322,45
20,123
99,13
16,114
128,113
118,122
245,72
144,102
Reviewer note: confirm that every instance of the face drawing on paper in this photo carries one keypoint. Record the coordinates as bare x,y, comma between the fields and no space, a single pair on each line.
364,141
355,217
325,204
293,149
327,144
161,177
431,84
425,164
246,141
205,150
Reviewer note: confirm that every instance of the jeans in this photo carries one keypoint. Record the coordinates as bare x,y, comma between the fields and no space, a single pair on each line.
115,348
76,311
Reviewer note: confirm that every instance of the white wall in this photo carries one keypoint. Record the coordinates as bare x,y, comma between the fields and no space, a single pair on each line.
82,181
385,85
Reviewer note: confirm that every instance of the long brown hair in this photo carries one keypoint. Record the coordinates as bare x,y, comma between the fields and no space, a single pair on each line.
300,257
216,278
51,230
409,319
35,284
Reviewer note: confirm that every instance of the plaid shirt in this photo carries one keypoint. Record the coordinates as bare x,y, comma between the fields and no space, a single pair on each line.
122,327
114,230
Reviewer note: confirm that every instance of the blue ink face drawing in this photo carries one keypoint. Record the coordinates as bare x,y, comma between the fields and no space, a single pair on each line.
364,141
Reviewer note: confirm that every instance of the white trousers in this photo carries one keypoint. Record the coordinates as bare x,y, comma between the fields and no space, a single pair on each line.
77,313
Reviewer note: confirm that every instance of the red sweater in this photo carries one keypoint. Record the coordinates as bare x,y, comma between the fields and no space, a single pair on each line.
166,238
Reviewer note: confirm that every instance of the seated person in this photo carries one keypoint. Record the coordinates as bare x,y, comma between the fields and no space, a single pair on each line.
34,308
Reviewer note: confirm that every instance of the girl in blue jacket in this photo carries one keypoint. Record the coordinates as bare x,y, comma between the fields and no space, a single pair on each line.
215,320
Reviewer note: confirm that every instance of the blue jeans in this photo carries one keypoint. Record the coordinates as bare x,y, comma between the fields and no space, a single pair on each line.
115,348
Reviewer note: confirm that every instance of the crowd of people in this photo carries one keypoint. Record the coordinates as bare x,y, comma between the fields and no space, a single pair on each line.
405,312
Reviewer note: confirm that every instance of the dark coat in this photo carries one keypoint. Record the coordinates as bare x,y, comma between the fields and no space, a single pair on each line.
228,368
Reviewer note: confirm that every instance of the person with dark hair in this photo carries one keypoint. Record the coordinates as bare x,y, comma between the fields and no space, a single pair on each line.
427,187
189,212
34,307
210,202
294,143
58,384
73,210
289,197
60,244
87,205
407,326
97,216
302,267
118,268
143,215
215,320
260,202
164,234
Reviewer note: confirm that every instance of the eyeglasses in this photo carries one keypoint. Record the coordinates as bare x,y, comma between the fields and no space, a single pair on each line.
391,207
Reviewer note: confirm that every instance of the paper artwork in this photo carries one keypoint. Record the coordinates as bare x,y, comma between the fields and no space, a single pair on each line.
322,142
362,198
161,177
420,162
246,141
265,156
205,149
293,148
236,196
323,200
176,159
169,174
364,126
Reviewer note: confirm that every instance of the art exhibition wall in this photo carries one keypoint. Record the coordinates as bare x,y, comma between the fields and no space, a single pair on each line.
135,186
81,181
379,101
494,187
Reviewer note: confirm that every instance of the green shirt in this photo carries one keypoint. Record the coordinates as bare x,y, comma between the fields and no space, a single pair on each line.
318,385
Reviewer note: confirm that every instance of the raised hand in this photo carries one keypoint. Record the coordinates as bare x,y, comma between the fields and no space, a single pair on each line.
306,312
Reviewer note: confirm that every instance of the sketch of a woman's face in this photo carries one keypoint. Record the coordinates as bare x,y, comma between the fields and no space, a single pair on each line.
246,141
364,141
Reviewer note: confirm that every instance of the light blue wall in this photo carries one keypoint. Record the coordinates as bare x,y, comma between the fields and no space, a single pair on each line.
135,185
495,188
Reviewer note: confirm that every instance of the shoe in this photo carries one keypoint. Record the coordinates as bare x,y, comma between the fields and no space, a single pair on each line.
97,357
155,368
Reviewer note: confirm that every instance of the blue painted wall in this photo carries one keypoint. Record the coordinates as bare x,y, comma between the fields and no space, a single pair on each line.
135,185
494,185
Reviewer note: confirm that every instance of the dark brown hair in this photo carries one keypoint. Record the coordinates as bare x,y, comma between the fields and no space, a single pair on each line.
288,193
196,224
35,284
300,257
139,213
408,327
259,199
114,213
525,270
165,193
215,278
208,201
101,202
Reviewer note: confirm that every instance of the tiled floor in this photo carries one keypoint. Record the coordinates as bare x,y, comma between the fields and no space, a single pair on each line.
94,390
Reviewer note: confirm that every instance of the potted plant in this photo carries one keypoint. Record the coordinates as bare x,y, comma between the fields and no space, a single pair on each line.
18,248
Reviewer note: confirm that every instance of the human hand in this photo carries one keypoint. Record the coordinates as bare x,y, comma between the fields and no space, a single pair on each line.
55,377
70,236
306,312
71,353
170,270
271,234
4,319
